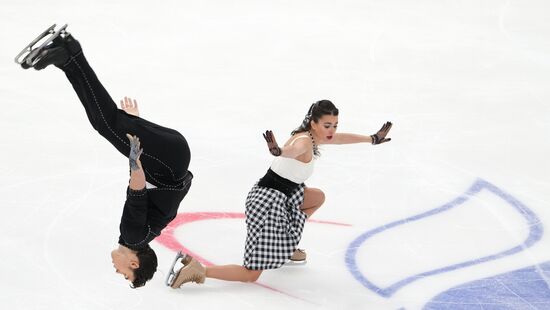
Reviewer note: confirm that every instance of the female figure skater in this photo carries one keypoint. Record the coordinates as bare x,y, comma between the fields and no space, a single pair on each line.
279,203
159,178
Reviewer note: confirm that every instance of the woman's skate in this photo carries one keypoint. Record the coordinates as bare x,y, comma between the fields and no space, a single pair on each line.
192,271
298,258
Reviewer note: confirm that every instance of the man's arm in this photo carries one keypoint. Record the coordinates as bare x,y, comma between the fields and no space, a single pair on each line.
137,177
133,225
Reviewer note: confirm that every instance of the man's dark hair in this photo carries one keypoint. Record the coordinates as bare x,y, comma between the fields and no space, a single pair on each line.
147,266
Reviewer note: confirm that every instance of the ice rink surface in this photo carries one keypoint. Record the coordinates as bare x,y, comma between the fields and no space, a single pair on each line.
453,213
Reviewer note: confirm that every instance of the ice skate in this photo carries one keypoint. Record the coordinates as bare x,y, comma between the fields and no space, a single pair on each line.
191,271
171,273
298,258
30,55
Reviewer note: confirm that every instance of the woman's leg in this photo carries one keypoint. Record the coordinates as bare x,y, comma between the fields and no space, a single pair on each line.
313,200
233,273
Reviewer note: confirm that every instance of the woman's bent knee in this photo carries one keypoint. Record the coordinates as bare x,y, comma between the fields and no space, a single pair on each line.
317,197
321,197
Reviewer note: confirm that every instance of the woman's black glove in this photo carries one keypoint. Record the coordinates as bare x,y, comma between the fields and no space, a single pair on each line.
274,149
380,136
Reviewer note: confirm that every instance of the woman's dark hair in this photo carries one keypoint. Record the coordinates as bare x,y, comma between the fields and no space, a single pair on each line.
315,112
147,266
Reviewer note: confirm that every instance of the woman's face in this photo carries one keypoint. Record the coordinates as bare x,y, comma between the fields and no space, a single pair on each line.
325,128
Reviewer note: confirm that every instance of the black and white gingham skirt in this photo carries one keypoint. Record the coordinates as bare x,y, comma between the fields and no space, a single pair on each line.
274,225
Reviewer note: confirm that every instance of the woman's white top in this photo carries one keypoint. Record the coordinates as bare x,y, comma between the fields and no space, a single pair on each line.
292,169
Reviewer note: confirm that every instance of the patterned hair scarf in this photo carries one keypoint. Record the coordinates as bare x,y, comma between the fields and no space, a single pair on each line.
307,118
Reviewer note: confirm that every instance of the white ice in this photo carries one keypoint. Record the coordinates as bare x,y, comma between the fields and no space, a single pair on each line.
466,84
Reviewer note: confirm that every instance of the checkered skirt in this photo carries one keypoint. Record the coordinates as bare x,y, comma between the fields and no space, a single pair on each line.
274,225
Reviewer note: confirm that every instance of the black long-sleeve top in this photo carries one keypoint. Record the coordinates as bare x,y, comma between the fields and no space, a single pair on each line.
147,211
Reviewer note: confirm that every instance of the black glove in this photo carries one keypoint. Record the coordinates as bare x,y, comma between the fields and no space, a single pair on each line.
274,149
380,136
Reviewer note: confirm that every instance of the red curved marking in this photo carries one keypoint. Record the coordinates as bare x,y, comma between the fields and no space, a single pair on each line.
168,239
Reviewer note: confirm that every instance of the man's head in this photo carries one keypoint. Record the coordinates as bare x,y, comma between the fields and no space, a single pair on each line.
137,267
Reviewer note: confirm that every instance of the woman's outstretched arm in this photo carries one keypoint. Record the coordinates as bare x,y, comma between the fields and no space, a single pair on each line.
290,151
349,138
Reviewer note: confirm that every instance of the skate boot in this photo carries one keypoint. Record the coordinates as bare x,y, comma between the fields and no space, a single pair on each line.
51,55
192,271
29,54
54,47
72,45
298,257
57,53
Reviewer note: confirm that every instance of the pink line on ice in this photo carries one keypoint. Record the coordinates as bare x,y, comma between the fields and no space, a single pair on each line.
168,239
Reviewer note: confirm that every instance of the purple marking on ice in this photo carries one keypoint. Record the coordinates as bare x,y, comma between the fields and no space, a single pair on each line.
535,234
525,288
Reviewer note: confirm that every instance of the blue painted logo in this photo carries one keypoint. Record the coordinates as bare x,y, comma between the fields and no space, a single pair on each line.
534,225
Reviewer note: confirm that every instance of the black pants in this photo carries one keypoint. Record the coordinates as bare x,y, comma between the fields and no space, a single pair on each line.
166,154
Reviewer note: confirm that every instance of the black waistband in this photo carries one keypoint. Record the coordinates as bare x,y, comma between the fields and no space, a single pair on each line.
275,181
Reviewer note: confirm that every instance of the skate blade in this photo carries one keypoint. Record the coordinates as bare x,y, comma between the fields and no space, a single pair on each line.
295,263
19,58
171,273
30,51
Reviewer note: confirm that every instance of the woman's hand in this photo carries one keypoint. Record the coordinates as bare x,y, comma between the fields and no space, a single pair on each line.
129,106
380,136
274,149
